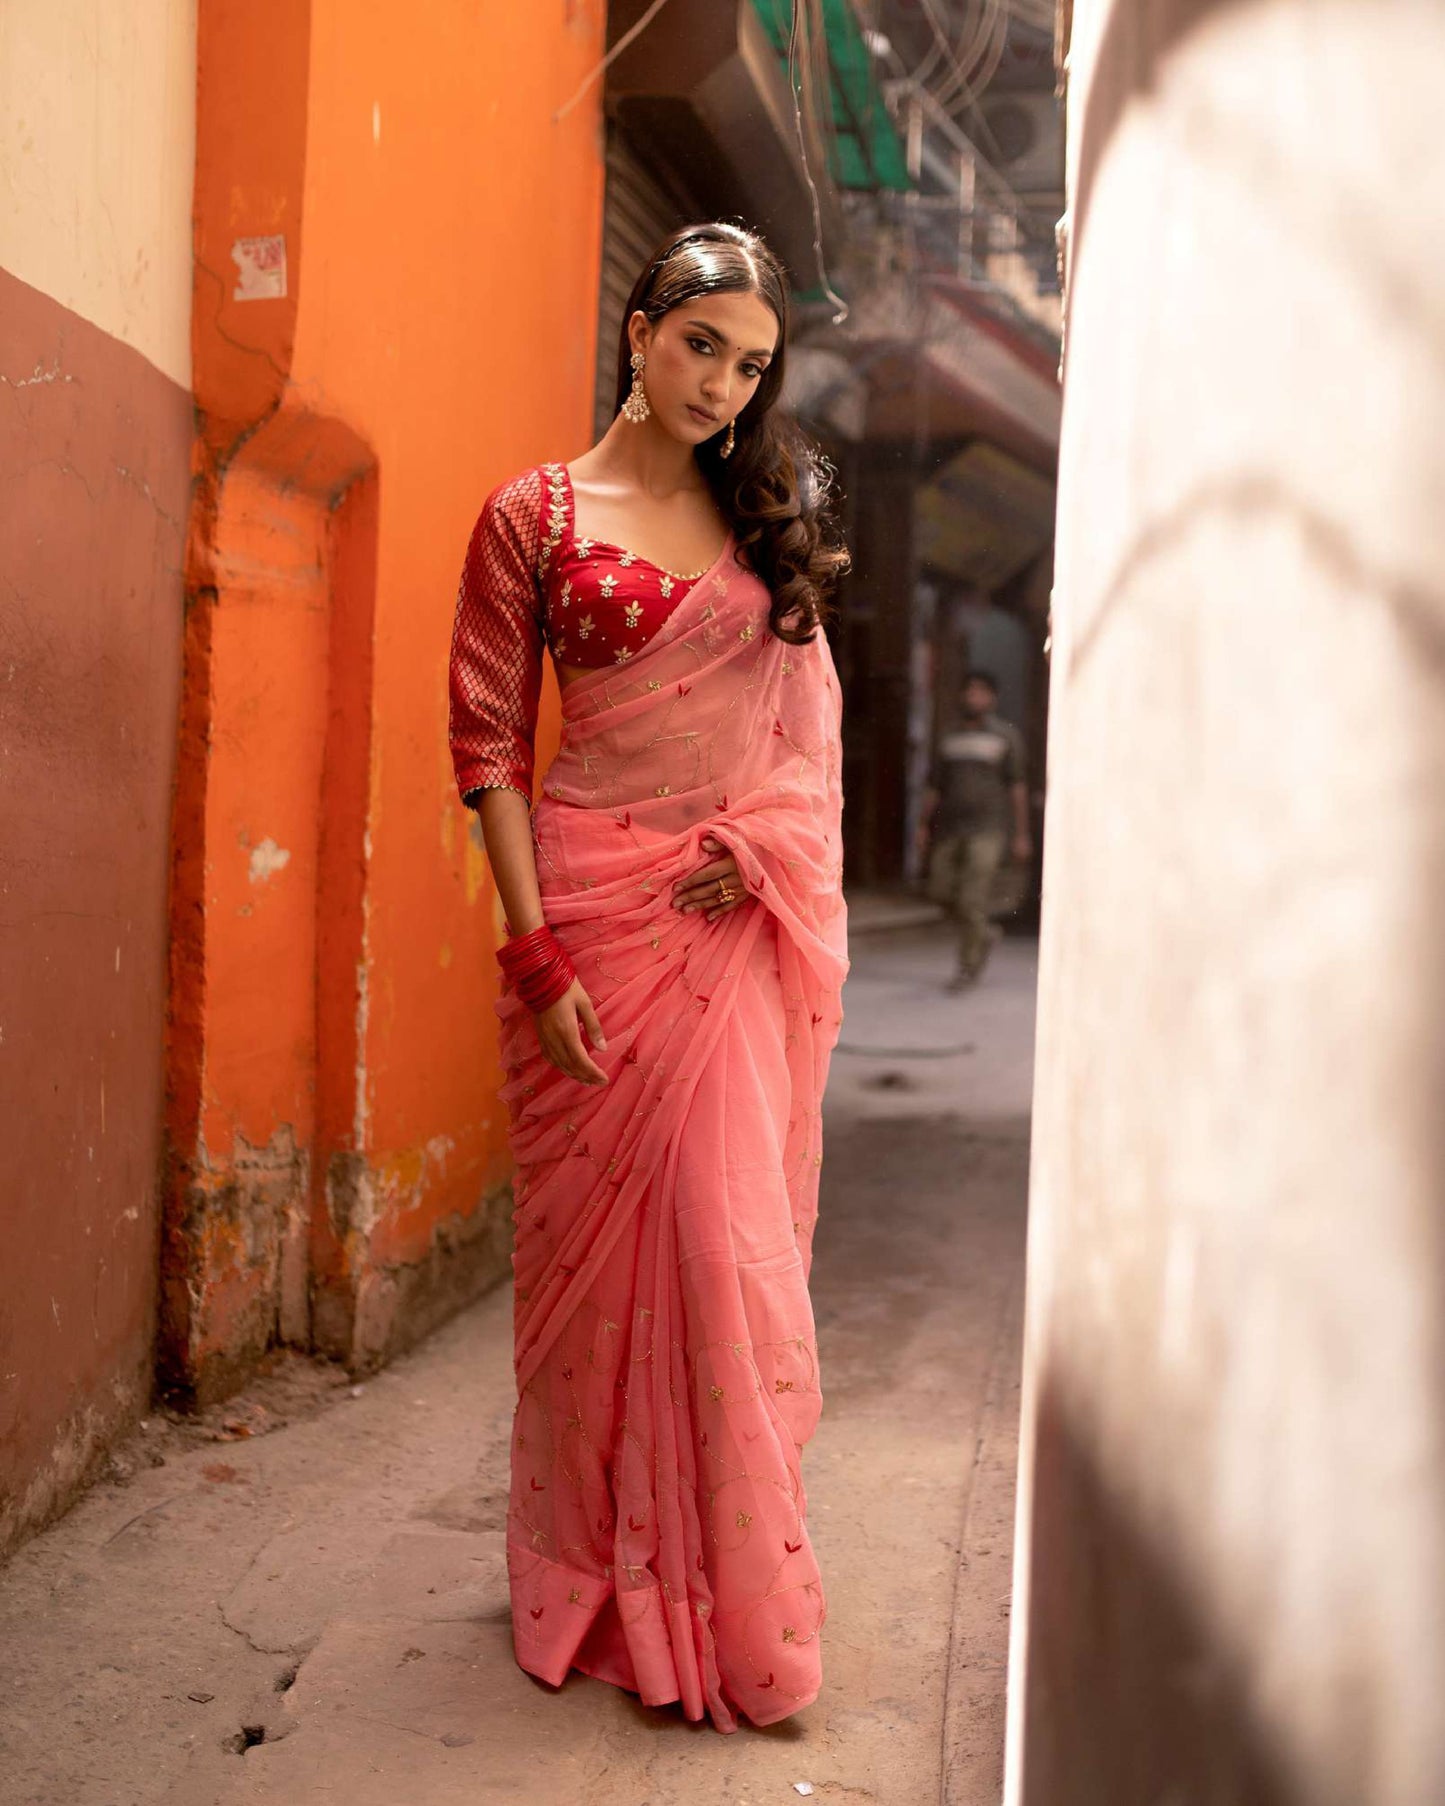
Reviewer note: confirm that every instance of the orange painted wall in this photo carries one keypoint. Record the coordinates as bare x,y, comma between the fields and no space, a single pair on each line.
334,1129
448,313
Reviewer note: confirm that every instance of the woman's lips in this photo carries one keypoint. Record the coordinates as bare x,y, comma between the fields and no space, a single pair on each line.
702,415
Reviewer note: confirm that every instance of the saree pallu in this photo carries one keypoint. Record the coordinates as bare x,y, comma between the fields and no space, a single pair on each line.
666,1364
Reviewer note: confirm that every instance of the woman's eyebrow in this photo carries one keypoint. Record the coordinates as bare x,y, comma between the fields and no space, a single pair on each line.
721,340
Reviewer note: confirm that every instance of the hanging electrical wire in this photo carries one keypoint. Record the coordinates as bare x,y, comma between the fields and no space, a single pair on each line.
801,34
600,68
974,61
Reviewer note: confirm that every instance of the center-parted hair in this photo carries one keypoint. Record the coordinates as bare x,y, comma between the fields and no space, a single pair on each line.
775,489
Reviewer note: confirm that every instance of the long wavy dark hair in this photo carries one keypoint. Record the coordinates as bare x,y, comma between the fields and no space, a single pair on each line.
775,489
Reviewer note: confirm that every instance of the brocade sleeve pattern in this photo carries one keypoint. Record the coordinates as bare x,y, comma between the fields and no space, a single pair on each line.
497,640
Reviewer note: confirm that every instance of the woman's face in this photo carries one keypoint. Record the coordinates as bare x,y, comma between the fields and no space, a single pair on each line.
704,361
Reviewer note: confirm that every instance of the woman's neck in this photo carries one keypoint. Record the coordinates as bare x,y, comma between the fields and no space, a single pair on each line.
643,457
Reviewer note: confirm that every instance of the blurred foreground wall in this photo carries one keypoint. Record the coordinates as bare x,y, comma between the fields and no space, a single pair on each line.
97,146
1232,1529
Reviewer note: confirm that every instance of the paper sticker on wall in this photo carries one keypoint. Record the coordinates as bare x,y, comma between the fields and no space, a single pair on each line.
260,268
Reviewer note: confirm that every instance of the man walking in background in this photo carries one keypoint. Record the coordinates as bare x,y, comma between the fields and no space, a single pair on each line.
975,813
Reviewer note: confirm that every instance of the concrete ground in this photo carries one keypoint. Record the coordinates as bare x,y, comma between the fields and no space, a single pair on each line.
302,1599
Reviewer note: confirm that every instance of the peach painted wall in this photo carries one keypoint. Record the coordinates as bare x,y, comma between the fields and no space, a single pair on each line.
97,146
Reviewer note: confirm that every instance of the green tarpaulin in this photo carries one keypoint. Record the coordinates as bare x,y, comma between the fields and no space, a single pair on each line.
867,151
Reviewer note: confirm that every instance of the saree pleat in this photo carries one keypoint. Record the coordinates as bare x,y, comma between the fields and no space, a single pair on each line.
666,1361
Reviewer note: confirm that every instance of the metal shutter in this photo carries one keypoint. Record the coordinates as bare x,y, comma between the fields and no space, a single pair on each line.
638,212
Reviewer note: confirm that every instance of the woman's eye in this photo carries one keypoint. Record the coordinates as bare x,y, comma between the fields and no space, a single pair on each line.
752,371
701,345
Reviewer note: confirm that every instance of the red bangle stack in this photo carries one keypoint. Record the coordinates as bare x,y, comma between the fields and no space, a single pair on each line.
538,966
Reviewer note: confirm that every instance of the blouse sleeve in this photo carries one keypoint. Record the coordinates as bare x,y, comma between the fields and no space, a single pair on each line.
496,660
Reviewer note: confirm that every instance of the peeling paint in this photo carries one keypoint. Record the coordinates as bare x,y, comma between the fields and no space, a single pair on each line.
351,1199
227,1265
39,375
266,860
363,1014
78,1446
260,268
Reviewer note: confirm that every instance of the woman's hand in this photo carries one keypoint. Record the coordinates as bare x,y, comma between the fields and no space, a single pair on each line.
700,891
559,1029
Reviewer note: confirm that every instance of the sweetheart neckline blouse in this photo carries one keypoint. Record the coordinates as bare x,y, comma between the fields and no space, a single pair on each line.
526,583
603,602
627,552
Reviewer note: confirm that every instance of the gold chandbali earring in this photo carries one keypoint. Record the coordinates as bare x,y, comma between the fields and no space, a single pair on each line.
635,408
725,450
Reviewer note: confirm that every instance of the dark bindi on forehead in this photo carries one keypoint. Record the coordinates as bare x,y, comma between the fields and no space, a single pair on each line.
720,339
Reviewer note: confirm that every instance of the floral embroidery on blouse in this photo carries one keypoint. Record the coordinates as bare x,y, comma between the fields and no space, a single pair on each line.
522,572
621,617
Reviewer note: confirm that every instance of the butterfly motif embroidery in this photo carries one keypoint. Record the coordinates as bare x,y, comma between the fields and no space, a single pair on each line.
607,585
632,614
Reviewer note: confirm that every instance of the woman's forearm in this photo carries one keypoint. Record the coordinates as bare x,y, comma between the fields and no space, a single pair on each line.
507,830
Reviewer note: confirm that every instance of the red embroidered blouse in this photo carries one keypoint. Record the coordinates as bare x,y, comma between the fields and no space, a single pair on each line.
528,580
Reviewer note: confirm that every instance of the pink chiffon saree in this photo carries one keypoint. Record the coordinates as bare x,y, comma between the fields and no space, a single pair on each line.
666,1364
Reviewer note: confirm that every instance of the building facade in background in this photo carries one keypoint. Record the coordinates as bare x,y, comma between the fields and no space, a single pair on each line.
937,159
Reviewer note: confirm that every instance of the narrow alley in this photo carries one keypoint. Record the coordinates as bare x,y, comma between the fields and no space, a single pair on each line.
461,462
317,1612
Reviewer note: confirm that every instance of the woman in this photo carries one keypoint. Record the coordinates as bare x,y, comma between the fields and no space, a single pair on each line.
670,997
